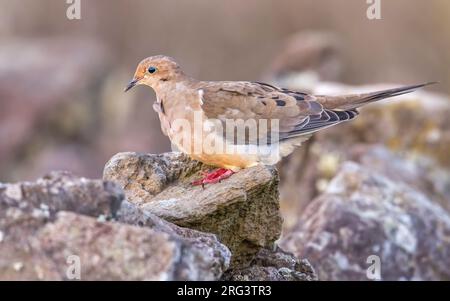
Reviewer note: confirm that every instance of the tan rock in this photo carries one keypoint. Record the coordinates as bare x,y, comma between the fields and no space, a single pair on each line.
242,210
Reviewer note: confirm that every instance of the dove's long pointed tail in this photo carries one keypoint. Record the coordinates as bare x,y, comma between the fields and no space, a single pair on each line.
353,101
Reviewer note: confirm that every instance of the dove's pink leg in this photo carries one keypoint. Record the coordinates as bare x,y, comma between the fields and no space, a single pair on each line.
214,176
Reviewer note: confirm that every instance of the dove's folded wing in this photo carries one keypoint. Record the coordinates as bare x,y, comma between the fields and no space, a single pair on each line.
288,114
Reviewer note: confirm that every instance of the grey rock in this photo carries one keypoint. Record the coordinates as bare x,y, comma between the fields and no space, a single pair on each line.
276,265
211,256
112,251
420,172
39,201
25,208
38,235
363,213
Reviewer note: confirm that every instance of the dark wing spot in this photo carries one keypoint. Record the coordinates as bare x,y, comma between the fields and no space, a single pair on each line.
264,103
299,97
281,103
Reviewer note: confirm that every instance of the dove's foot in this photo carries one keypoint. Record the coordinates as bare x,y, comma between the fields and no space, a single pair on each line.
214,176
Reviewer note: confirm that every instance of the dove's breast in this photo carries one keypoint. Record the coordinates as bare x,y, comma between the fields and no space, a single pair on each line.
189,129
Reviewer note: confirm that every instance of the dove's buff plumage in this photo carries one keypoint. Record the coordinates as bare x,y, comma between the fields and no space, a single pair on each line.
299,114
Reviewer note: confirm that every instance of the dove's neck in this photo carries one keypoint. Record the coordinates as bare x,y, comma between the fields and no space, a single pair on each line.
175,88
179,83
179,96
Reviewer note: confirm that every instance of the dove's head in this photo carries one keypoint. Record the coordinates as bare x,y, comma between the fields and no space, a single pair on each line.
154,71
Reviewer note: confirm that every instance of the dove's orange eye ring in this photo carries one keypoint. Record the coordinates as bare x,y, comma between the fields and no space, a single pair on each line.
152,69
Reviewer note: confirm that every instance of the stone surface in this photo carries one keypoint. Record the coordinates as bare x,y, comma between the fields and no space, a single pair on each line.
420,172
25,208
56,192
362,213
38,234
242,210
211,257
112,251
276,265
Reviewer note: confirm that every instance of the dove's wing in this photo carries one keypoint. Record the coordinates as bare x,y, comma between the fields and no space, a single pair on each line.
297,113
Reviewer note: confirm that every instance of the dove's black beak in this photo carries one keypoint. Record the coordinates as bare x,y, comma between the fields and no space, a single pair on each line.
131,84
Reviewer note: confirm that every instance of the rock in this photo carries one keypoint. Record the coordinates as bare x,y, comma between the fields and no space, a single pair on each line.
242,210
112,251
212,257
27,207
420,172
57,191
37,237
363,213
275,265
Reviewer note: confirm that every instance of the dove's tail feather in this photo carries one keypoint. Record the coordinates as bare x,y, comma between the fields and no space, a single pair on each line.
342,108
349,102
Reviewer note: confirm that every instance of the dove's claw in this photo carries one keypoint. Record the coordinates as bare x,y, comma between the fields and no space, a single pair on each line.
214,177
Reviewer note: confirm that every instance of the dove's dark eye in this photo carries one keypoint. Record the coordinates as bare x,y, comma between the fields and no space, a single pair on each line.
151,69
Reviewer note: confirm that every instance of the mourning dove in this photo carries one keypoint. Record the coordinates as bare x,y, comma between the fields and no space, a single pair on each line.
238,124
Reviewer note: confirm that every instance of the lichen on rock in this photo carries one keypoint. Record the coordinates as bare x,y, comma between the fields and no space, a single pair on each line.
363,213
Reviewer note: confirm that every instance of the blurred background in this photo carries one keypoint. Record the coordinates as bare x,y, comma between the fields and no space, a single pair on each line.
61,81
62,107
